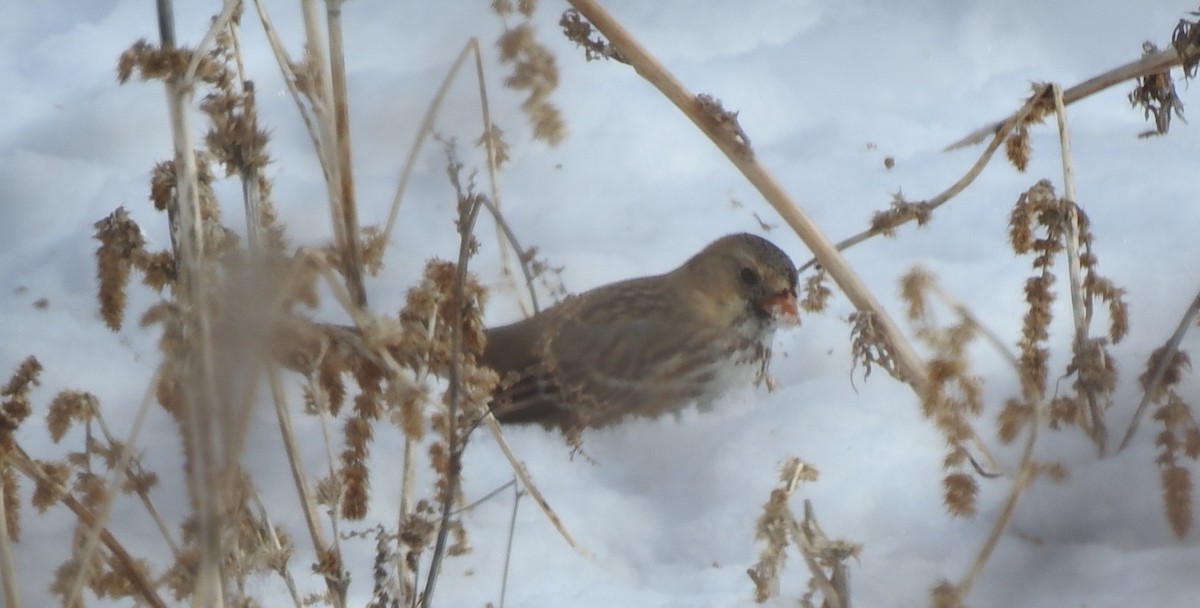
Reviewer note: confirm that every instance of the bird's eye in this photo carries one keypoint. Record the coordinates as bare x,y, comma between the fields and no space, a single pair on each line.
748,276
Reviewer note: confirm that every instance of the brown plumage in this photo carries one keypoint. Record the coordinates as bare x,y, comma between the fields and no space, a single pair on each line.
649,345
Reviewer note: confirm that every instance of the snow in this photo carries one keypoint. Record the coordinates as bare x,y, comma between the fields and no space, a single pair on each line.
826,90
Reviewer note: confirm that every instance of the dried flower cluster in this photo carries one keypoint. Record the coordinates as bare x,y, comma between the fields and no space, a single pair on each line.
778,527
900,212
816,292
1044,225
1179,438
1155,94
1017,147
953,397
868,345
578,30
534,72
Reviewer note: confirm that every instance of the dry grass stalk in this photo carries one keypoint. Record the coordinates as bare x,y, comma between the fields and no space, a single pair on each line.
1179,439
951,414
1158,372
199,386
1085,349
736,148
61,411
903,211
8,577
1045,225
469,204
778,527
346,212
1185,53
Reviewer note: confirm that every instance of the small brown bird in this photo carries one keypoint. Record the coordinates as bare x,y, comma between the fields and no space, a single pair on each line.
649,345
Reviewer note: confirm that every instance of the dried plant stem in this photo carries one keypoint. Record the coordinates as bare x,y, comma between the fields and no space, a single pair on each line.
289,78
912,369
527,482
199,381
810,540
337,589
1097,404
1153,63
512,533
1024,476
330,149
523,257
277,545
347,209
120,558
7,575
423,133
492,203
961,310
957,187
466,228
404,569
219,23
92,541
1160,369
1026,469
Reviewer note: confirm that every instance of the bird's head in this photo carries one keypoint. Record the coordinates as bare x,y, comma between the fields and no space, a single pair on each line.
743,272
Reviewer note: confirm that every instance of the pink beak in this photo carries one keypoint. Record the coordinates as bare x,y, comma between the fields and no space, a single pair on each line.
782,307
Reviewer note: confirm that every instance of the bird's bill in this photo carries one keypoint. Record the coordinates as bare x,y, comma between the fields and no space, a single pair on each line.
782,307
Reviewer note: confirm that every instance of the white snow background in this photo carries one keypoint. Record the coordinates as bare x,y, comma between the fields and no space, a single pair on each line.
826,89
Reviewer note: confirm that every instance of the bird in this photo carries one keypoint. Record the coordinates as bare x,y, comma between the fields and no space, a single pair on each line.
646,346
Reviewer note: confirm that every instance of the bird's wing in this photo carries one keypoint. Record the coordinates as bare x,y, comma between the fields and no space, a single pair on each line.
593,365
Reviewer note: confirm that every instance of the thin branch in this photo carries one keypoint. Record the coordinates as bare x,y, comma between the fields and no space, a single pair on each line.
121,559
466,230
199,381
1027,468
219,23
527,482
289,79
347,207
426,129
1096,429
1160,369
512,533
337,589
493,202
92,541
7,574
423,132
957,187
277,545
1154,63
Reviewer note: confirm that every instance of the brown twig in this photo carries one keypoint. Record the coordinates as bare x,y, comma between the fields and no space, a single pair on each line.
466,228
1096,402
927,206
121,558
1160,370
1148,64
426,129
337,588
347,208
1026,469
199,384
92,541
7,574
